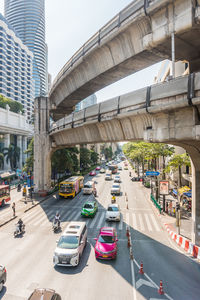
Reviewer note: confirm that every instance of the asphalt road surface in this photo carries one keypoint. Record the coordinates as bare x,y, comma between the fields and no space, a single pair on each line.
29,264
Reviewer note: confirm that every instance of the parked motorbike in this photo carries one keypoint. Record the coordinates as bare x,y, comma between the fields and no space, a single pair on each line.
17,231
56,226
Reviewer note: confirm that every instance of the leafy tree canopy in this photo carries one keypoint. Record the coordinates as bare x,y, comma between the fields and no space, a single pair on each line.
14,105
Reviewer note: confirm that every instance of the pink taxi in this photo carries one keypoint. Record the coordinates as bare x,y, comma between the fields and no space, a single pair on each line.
92,173
106,243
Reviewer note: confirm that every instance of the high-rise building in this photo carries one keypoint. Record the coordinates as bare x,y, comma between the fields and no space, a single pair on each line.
15,68
28,19
91,100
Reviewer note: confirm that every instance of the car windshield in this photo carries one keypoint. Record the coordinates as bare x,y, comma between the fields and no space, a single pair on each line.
116,186
113,208
107,239
88,205
117,177
68,242
87,186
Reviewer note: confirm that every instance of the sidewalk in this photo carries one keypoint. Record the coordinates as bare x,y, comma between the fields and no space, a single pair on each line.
169,223
22,206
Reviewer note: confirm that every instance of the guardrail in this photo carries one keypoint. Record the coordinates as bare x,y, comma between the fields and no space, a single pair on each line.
95,40
156,203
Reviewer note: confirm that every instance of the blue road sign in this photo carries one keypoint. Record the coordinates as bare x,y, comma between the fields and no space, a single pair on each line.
152,173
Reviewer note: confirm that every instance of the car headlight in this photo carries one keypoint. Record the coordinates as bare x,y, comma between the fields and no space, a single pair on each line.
74,255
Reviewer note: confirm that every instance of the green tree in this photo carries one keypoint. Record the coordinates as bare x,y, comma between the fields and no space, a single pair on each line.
94,156
14,105
85,158
108,153
176,163
28,166
12,154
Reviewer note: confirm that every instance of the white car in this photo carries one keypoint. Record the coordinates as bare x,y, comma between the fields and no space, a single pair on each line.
113,213
102,170
117,179
115,190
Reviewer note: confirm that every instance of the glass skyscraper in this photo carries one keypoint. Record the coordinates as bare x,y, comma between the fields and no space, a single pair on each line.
28,19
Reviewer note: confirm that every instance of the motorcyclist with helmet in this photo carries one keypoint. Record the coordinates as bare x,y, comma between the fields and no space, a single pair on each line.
20,223
57,219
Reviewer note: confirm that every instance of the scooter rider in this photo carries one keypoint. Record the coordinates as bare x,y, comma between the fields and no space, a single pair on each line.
113,199
20,223
57,219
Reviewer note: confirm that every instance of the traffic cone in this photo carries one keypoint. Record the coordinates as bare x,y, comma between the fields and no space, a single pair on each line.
127,206
129,243
160,291
141,268
127,231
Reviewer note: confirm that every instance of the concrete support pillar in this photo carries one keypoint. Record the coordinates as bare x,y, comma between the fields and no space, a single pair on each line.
19,144
42,146
6,145
195,205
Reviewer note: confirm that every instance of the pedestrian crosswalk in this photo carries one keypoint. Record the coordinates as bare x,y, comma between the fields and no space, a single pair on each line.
138,221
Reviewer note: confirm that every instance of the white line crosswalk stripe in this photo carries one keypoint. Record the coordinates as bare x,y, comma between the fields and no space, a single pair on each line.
95,219
141,222
148,222
135,226
154,222
101,220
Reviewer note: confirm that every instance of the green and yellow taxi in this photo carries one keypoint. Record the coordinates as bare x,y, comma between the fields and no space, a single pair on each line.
89,209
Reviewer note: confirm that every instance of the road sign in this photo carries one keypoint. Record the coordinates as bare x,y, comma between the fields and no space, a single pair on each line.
152,173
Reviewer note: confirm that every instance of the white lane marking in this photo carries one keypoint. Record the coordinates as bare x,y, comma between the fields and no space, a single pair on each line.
141,222
91,225
100,220
121,223
74,216
153,283
141,282
134,222
30,215
154,222
148,222
133,280
42,218
127,219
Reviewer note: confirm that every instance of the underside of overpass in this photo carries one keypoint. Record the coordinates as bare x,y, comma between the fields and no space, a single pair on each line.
135,39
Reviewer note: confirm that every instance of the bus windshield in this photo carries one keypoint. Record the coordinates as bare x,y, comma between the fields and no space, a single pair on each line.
66,188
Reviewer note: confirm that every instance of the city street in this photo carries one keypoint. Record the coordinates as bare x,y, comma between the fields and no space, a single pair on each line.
29,265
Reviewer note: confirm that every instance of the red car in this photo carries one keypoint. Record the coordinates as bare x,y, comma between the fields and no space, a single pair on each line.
92,173
106,243
98,168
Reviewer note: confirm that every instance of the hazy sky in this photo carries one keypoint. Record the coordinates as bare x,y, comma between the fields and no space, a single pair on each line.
69,24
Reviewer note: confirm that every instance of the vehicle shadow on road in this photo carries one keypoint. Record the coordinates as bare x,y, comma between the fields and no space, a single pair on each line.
3,292
82,264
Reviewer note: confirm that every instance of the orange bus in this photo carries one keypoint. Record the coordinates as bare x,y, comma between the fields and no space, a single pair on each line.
4,194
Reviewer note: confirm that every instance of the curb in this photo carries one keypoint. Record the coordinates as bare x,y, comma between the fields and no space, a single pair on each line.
8,221
184,243
34,205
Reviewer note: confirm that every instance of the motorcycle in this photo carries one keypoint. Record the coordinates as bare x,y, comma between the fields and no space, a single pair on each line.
19,188
56,226
113,199
17,232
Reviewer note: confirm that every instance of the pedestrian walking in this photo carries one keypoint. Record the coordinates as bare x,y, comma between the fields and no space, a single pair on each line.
13,208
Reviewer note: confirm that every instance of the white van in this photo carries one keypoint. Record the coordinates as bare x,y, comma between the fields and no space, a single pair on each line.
88,188
71,245
108,175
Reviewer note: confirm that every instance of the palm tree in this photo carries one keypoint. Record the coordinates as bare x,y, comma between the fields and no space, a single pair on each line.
12,154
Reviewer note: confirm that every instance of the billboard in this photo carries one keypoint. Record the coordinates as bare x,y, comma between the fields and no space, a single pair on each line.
164,187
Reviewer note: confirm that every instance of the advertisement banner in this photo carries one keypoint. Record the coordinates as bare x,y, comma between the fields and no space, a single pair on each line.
164,187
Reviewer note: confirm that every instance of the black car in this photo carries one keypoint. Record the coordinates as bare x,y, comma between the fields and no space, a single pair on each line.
2,277
44,294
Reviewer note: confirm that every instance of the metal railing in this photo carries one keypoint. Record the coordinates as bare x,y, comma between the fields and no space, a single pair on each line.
156,203
95,40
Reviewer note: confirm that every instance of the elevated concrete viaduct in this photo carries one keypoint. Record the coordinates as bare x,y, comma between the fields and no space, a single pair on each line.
137,37
167,113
